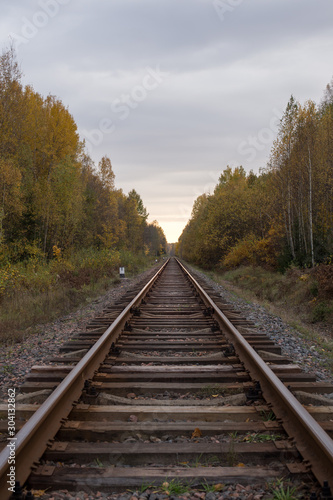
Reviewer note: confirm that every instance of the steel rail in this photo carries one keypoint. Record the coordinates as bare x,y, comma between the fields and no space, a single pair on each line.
312,442
32,440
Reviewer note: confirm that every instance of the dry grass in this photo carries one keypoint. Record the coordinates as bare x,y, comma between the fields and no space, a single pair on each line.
297,292
25,309
44,291
295,297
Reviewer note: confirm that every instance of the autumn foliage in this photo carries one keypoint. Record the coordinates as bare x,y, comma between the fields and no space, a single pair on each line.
284,215
53,198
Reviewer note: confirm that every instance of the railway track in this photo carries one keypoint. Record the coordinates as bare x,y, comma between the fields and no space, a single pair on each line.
166,386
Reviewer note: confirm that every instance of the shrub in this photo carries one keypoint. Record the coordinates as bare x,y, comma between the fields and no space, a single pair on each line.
255,251
37,291
9,280
324,276
321,312
314,288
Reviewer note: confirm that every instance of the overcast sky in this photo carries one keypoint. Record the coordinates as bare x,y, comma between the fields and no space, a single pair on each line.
174,90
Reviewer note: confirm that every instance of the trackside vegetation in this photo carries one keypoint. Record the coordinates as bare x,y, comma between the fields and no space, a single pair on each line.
269,229
65,228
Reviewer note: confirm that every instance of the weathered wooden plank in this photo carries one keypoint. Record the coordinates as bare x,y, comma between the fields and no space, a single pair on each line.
139,453
315,387
120,479
320,413
194,413
209,378
110,430
176,369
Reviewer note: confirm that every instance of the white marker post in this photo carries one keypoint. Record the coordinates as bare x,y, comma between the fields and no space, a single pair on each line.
122,272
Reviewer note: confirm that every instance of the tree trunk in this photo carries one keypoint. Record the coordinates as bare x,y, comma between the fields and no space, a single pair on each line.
290,228
310,210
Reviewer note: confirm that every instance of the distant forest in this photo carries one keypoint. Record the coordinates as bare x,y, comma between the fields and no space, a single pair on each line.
53,199
280,217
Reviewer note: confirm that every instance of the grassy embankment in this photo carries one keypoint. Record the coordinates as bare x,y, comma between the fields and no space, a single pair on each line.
37,291
302,298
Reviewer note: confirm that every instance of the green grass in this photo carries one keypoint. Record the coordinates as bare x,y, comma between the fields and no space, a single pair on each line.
175,487
256,437
207,488
98,463
282,491
143,487
267,416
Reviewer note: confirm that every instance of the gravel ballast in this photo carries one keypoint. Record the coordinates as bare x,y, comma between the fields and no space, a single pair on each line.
17,359
309,356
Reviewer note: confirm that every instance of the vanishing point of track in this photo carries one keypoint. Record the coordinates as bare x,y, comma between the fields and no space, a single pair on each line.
161,387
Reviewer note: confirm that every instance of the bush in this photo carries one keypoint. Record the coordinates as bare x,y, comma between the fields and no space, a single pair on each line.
255,251
10,278
297,291
38,291
321,312
324,276
314,288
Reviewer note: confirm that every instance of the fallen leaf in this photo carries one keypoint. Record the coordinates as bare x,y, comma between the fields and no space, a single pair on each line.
196,433
38,493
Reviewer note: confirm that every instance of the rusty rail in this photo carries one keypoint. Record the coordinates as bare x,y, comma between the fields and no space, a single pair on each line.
312,442
32,440
315,446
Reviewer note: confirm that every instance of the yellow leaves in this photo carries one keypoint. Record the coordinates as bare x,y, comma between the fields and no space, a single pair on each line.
108,237
10,188
56,252
218,487
9,280
284,214
242,253
39,493
196,433
46,175
165,487
106,173
252,250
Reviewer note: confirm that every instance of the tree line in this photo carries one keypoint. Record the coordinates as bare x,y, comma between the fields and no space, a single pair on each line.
52,195
282,215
